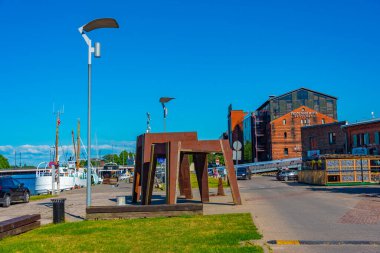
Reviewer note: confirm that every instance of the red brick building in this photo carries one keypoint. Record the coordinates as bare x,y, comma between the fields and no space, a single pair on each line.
363,137
323,139
286,131
273,131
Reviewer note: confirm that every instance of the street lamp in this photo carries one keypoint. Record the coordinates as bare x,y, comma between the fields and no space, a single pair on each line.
164,100
94,24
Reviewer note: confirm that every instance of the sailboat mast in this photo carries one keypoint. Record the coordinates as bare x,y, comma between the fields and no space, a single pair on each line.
78,143
57,137
75,150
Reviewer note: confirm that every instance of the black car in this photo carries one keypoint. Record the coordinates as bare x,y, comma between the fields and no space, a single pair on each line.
243,173
286,175
11,190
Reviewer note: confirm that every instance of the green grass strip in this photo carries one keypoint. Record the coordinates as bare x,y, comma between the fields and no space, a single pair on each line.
213,233
39,197
350,184
212,182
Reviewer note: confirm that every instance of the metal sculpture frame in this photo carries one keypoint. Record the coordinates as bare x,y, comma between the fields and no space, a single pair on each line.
177,147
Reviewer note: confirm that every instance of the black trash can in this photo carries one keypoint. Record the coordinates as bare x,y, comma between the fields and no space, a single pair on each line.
58,210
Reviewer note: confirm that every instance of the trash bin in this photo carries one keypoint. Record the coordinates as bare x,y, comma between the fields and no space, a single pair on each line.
58,210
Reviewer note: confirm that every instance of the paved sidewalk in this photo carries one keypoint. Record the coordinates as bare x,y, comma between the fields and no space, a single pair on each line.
103,195
75,204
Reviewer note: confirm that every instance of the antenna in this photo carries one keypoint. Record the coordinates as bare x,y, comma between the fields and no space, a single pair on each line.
58,112
148,122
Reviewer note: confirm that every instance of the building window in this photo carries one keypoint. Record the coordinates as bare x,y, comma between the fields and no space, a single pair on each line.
323,121
377,138
332,138
286,151
312,143
366,139
284,122
289,106
354,140
285,135
305,122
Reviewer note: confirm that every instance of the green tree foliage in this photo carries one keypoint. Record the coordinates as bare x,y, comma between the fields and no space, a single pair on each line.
211,158
4,164
111,158
125,157
248,151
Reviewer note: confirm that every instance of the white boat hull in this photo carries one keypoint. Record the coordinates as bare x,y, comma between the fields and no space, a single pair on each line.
44,184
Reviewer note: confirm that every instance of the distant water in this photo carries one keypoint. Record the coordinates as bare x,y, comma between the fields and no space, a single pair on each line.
29,180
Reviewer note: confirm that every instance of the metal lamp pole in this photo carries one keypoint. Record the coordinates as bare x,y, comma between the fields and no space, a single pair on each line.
94,24
163,101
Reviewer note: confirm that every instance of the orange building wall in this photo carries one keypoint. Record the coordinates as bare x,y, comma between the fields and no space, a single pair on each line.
293,130
237,117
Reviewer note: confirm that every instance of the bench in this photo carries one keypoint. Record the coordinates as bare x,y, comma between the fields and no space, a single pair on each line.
19,225
142,211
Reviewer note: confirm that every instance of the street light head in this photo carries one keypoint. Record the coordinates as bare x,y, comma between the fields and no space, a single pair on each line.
165,99
97,50
100,23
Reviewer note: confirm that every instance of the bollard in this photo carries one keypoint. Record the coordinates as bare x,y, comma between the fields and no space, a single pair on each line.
58,210
121,200
220,188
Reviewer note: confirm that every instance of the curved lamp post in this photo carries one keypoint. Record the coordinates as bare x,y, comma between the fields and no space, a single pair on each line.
94,24
164,100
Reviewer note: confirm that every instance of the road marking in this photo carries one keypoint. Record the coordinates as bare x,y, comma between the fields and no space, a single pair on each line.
287,242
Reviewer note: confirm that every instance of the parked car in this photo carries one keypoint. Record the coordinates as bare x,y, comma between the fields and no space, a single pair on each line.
11,190
243,173
124,176
286,175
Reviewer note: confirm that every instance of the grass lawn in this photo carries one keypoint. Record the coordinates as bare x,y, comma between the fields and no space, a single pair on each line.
214,233
212,182
39,197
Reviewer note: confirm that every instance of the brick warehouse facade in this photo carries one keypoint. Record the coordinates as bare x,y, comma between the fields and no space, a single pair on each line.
273,131
323,139
286,131
363,137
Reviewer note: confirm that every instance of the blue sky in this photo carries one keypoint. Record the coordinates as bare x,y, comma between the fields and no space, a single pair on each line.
206,54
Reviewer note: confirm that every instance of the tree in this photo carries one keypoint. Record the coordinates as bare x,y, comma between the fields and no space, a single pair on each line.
211,158
248,151
4,164
111,158
123,157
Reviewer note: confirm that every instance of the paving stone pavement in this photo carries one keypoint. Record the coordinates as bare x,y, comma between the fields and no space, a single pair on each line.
102,195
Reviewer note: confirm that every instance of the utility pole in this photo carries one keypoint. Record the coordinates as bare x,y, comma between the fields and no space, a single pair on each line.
55,177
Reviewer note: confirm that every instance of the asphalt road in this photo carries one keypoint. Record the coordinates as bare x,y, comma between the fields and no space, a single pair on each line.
291,212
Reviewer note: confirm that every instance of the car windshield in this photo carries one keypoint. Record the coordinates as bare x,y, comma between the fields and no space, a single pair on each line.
288,172
241,170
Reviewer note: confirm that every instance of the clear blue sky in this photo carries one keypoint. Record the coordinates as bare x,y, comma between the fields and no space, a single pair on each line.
206,54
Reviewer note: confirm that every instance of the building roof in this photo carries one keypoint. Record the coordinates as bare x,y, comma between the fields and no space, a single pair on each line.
371,121
328,124
302,88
